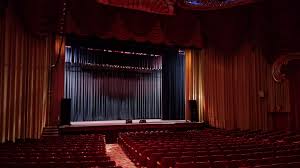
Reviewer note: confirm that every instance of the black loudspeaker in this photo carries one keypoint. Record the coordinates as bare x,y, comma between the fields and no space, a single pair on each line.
194,110
65,113
128,121
142,121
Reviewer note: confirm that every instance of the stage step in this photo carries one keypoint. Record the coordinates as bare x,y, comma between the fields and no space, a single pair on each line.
50,131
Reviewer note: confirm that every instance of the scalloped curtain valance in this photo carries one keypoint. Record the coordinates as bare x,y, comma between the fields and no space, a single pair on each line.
167,7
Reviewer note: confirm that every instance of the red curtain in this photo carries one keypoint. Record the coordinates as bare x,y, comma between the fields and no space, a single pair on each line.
90,18
165,7
238,88
40,17
24,65
294,78
235,67
57,80
278,120
284,25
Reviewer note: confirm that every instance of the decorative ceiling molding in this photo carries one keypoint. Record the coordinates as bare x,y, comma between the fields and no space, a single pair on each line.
281,61
164,7
206,5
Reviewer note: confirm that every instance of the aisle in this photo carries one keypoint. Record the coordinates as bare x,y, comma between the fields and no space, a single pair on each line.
116,154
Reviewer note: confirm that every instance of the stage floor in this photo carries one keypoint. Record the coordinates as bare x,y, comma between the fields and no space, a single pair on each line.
111,129
121,122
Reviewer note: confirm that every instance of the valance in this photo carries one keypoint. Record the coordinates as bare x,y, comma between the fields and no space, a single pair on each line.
86,19
165,7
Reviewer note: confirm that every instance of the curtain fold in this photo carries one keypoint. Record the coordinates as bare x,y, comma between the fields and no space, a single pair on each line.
294,78
106,85
193,82
57,79
24,62
173,85
238,89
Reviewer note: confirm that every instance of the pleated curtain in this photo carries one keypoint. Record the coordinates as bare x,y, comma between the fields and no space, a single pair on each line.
24,63
112,94
238,88
193,82
294,78
173,77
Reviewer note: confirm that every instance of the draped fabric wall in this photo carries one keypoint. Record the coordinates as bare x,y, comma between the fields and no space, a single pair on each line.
57,80
24,62
232,83
294,78
193,82
173,85
112,93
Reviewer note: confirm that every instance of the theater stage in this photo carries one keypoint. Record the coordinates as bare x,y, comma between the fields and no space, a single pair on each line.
112,128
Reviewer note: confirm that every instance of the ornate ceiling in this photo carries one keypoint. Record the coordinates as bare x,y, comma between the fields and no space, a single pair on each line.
167,7
212,4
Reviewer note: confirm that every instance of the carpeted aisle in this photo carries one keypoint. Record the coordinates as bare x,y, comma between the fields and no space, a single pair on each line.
115,152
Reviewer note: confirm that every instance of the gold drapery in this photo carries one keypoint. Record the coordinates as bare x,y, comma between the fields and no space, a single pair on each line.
24,65
238,88
193,82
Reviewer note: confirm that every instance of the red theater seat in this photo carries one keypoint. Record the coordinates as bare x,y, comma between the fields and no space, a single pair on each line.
63,151
219,148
